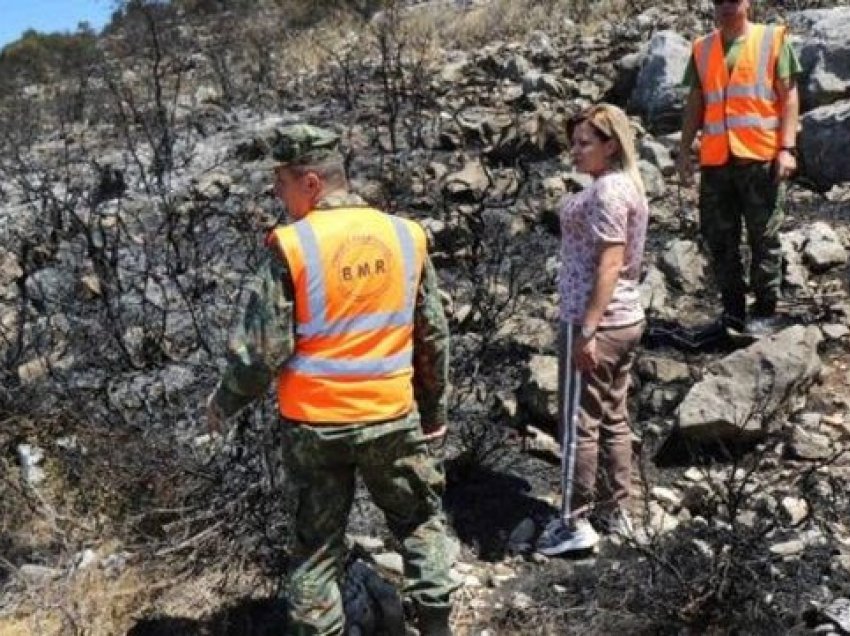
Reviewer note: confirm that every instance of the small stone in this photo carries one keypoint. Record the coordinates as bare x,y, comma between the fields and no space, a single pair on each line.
521,600
791,548
38,573
30,457
85,559
471,581
522,536
368,543
835,331
667,496
795,508
808,445
390,561
694,474
809,420
90,286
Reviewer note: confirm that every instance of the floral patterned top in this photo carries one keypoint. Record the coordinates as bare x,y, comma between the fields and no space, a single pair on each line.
610,210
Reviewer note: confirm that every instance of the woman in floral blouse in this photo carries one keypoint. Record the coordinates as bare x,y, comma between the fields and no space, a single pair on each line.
603,230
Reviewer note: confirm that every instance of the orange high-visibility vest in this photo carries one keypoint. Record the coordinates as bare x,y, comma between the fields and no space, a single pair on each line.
355,272
742,111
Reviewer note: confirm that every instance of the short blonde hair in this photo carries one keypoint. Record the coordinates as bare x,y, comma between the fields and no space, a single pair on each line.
610,123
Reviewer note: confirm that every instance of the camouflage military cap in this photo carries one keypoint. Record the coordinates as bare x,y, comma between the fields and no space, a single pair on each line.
303,144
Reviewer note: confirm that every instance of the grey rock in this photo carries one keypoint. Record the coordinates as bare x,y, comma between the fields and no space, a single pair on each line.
215,185
684,265
390,561
537,82
538,395
824,51
653,291
661,400
522,537
653,180
661,369
667,496
787,549
10,271
468,184
516,67
366,542
40,367
796,273
838,611
49,287
823,249
808,445
835,331
540,48
794,508
658,155
85,559
627,69
741,394
658,93
30,458
34,573
823,145
536,334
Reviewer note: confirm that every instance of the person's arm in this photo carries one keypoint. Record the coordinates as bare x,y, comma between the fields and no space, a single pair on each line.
262,341
431,355
611,256
608,269
692,119
788,68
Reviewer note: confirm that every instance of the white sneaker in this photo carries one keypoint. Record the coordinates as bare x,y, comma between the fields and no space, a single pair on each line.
558,538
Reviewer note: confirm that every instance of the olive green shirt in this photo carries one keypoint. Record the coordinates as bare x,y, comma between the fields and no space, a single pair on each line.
264,337
787,64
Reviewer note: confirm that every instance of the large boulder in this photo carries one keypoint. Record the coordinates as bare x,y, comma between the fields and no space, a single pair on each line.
824,52
740,394
659,94
823,145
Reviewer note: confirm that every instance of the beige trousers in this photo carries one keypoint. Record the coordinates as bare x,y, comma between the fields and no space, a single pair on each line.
593,427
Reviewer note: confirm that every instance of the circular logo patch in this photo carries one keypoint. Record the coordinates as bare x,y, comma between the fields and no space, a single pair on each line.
363,265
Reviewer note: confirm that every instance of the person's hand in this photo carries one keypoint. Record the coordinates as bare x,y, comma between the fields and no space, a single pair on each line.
215,416
786,165
685,167
584,354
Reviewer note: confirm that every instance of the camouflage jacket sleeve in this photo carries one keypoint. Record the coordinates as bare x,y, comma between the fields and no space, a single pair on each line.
263,339
430,351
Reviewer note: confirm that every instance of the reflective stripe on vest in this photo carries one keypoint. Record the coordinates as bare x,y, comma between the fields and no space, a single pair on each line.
376,366
741,114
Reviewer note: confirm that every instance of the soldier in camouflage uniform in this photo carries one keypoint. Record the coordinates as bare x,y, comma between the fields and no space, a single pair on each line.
394,457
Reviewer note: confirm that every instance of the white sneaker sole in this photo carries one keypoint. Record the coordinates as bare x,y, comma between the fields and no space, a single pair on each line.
570,546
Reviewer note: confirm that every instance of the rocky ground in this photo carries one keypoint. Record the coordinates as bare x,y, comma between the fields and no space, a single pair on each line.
124,255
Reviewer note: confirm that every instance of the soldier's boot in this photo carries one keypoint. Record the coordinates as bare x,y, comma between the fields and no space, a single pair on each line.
433,621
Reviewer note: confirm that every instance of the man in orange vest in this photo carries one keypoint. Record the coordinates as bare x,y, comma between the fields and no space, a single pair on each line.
743,97
346,316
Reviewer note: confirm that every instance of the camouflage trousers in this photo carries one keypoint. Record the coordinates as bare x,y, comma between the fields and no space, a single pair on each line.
743,192
404,479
